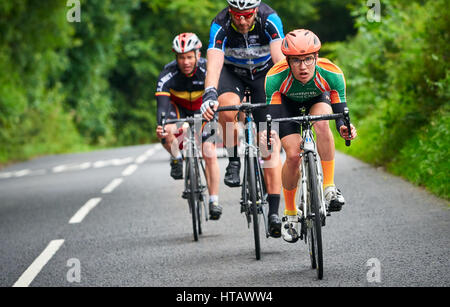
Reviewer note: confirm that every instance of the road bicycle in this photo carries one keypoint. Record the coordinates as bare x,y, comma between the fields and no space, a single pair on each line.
253,190
312,205
195,175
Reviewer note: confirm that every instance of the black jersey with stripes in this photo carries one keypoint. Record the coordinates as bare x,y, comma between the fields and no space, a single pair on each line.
174,87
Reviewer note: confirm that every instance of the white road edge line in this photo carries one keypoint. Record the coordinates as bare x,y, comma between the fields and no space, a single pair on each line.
114,184
81,214
33,270
130,170
142,158
22,173
6,175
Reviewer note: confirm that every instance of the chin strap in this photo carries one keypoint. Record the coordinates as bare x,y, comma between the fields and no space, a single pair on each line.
192,73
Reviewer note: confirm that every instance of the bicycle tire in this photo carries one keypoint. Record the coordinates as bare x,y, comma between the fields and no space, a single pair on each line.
253,198
316,234
262,195
192,185
198,198
309,232
311,247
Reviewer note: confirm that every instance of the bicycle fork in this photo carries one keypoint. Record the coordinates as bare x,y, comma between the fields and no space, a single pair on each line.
308,145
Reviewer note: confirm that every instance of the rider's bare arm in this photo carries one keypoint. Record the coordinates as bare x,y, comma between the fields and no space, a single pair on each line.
215,59
275,51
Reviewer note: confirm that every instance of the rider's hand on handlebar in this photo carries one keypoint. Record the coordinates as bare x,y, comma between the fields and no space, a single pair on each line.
160,133
206,110
344,132
210,95
263,142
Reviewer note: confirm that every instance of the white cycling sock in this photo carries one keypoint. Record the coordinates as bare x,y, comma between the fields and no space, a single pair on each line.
178,156
213,198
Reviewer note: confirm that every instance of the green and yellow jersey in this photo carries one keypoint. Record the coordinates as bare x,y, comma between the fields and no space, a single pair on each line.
328,77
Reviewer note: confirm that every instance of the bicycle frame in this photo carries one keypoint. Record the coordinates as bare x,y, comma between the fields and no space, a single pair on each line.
309,145
254,196
252,152
193,152
193,158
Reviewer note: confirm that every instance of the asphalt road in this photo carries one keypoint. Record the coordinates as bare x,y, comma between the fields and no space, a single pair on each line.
116,218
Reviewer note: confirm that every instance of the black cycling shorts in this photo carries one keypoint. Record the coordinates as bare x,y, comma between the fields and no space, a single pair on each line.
291,108
231,81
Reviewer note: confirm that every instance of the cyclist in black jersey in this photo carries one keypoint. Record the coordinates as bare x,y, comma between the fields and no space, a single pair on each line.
179,94
245,42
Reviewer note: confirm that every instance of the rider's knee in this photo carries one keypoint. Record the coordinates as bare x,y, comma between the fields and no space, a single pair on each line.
293,160
209,152
227,117
322,128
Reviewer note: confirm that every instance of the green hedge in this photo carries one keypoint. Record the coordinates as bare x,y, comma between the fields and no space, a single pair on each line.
398,90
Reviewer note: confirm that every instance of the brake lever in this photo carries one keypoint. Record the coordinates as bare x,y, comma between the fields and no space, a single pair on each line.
347,123
211,105
269,132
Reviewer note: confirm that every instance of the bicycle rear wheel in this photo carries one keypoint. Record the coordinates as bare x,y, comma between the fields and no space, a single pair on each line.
254,206
192,184
315,237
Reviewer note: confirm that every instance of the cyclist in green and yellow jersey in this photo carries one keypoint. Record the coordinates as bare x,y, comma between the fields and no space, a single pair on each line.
305,80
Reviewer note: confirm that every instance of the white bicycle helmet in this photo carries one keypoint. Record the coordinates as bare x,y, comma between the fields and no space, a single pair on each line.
244,4
186,42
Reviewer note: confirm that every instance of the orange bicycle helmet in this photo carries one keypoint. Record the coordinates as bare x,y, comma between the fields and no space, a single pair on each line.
300,42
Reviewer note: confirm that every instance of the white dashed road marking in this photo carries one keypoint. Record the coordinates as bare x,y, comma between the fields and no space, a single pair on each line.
130,170
81,214
114,184
83,165
33,270
71,167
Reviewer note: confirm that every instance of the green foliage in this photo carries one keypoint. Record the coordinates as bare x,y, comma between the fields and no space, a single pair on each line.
397,75
98,41
31,95
425,158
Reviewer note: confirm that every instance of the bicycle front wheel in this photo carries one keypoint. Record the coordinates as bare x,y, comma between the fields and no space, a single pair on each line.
254,205
199,197
315,217
192,188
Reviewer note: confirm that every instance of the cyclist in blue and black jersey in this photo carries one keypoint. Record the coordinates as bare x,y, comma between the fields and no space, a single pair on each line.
245,42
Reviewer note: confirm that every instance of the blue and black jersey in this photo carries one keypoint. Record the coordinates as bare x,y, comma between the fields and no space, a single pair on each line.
248,53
